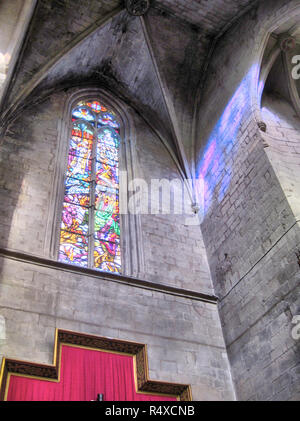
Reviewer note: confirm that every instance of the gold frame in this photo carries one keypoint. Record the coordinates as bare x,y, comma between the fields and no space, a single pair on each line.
143,385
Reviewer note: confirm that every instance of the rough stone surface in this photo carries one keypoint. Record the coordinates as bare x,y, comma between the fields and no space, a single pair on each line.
250,229
283,139
208,15
27,173
248,246
184,337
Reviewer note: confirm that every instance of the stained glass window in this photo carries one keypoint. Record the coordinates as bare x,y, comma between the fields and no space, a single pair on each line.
90,223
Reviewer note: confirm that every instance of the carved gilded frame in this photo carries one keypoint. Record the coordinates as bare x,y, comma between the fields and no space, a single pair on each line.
63,337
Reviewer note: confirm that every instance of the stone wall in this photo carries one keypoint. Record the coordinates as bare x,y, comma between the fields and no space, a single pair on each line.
14,20
283,139
183,335
250,231
28,163
250,234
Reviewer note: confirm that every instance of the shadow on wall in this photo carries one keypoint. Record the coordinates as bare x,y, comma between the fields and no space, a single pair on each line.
23,182
10,187
215,167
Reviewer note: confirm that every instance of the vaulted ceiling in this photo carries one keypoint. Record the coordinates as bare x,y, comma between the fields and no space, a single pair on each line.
155,63
209,15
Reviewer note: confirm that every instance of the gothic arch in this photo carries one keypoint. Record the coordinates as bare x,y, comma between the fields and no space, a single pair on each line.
282,16
131,239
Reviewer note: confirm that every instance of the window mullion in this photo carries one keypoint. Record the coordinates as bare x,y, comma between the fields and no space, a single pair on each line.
92,203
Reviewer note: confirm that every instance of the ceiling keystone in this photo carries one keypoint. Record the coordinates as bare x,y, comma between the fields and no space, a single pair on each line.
137,7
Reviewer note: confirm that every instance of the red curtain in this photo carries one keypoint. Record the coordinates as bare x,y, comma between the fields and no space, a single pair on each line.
84,373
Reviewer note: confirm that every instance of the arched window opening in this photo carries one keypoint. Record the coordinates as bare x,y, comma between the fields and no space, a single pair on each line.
90,223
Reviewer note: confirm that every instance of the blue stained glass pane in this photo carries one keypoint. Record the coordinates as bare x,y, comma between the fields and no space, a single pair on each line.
81,147
83,113
79,167
108,119
109,136
107,146
107,155
77,192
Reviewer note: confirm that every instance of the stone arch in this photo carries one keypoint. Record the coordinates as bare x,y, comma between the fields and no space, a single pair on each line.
281,17
277,110
131,242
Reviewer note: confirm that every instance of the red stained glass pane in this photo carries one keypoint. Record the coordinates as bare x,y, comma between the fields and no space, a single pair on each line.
81,129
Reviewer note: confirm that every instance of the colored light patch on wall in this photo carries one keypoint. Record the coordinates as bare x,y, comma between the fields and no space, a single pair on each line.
107,175
107,256
75,218
108,119
79,167
77,192
214,167
73,249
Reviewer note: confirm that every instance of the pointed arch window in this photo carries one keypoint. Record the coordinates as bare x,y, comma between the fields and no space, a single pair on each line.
90,222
